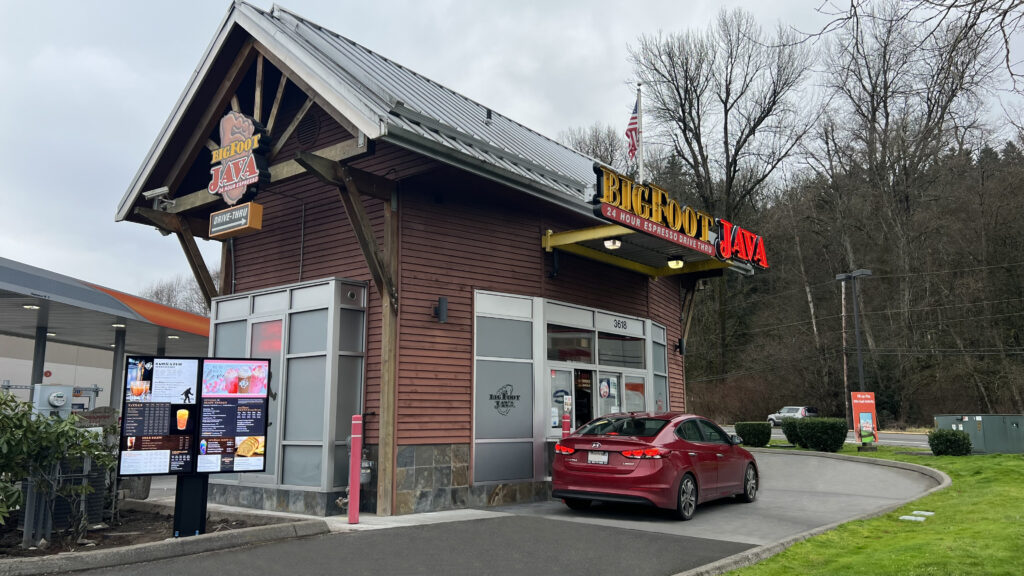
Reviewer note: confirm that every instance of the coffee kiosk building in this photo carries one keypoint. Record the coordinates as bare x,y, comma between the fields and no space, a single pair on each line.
400,251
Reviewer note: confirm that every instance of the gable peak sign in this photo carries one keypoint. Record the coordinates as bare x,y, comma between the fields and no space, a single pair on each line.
649,209
239,162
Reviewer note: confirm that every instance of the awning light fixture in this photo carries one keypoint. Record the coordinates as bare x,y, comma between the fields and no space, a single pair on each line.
117,325
675,262
173,337
613,243
30,307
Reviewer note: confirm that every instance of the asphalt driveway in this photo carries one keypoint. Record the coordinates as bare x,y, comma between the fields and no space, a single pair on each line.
800,493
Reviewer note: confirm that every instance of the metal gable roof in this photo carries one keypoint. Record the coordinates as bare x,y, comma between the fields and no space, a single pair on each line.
385,100
412,104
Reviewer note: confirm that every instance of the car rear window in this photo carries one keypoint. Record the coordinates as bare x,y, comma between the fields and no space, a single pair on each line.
624,426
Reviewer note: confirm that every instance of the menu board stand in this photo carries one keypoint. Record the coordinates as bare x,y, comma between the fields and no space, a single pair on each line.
190,504
192,417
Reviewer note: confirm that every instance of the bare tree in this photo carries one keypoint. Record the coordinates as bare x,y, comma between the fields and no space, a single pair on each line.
995,20
727,102
181,292
599,141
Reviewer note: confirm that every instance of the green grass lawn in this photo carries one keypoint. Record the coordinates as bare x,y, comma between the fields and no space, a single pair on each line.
978,527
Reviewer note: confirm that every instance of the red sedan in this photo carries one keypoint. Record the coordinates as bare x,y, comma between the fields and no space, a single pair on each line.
668,460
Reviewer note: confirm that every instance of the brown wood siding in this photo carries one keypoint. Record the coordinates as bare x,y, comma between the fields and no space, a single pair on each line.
666,309
450,248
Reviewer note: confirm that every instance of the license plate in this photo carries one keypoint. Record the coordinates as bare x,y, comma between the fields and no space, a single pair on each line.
594,457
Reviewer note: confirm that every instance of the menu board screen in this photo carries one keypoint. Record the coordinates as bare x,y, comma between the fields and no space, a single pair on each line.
233,416
185,415
159,415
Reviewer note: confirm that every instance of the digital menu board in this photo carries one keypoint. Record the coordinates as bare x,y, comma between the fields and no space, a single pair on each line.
186,415
233,416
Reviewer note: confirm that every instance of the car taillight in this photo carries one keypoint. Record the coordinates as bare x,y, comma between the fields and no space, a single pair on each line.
643,453
560,449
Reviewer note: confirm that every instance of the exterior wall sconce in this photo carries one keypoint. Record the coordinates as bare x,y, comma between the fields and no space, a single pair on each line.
675,262
613,243
441,310
680,347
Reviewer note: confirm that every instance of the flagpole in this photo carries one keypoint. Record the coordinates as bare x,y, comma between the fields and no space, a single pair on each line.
640,133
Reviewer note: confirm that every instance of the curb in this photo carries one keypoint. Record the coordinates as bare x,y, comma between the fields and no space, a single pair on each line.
755,555
169,548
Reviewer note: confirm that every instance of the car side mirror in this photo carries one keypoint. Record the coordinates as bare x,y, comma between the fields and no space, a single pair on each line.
736,440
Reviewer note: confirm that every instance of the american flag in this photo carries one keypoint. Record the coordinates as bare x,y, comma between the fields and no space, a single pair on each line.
633,131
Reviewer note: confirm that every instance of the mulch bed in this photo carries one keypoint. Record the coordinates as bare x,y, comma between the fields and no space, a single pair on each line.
133,527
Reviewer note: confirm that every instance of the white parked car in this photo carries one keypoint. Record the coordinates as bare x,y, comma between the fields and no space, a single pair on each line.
792,412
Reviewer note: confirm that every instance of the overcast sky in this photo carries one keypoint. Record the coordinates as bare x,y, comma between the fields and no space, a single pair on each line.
86,85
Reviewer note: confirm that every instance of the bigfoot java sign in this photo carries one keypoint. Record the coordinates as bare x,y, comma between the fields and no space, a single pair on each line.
648,209
239,163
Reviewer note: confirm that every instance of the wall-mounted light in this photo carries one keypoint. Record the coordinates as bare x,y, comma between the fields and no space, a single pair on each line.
51,334
680,346
30,307
441,310
117,325
675,262
613,243
173,337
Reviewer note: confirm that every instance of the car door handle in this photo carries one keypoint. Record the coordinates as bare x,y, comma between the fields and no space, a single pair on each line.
720,455
693,454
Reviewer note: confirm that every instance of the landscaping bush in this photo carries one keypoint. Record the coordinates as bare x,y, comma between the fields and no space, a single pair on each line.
822,434
755,434
949,442
791,433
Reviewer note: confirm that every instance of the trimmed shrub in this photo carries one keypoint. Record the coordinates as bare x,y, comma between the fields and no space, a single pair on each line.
791,433
822,434
755,434
949,442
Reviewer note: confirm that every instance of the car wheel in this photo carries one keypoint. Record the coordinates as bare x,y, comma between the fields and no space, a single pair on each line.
577,503
772,422
749,485
687,501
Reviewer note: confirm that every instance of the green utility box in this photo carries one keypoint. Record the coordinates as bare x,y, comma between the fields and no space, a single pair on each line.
989,433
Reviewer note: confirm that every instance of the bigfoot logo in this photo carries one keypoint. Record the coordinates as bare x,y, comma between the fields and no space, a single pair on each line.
240,157
505,400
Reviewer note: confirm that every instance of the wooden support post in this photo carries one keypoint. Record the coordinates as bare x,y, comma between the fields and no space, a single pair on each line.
383,268
179,226
388,372
257,107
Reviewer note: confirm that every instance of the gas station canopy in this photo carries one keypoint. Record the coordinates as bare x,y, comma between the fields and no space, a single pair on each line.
34,301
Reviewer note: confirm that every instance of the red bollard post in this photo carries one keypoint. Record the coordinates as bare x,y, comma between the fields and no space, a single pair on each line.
566,427
355,462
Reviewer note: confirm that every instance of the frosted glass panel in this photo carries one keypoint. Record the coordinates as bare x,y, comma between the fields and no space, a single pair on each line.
500,338
502,462
302,465
307,332
237,308
319,295
304,407
350,385
659,358
270,302
229,340
350,339
660,393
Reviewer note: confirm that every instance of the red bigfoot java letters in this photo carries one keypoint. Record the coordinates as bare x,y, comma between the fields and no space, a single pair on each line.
240,157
